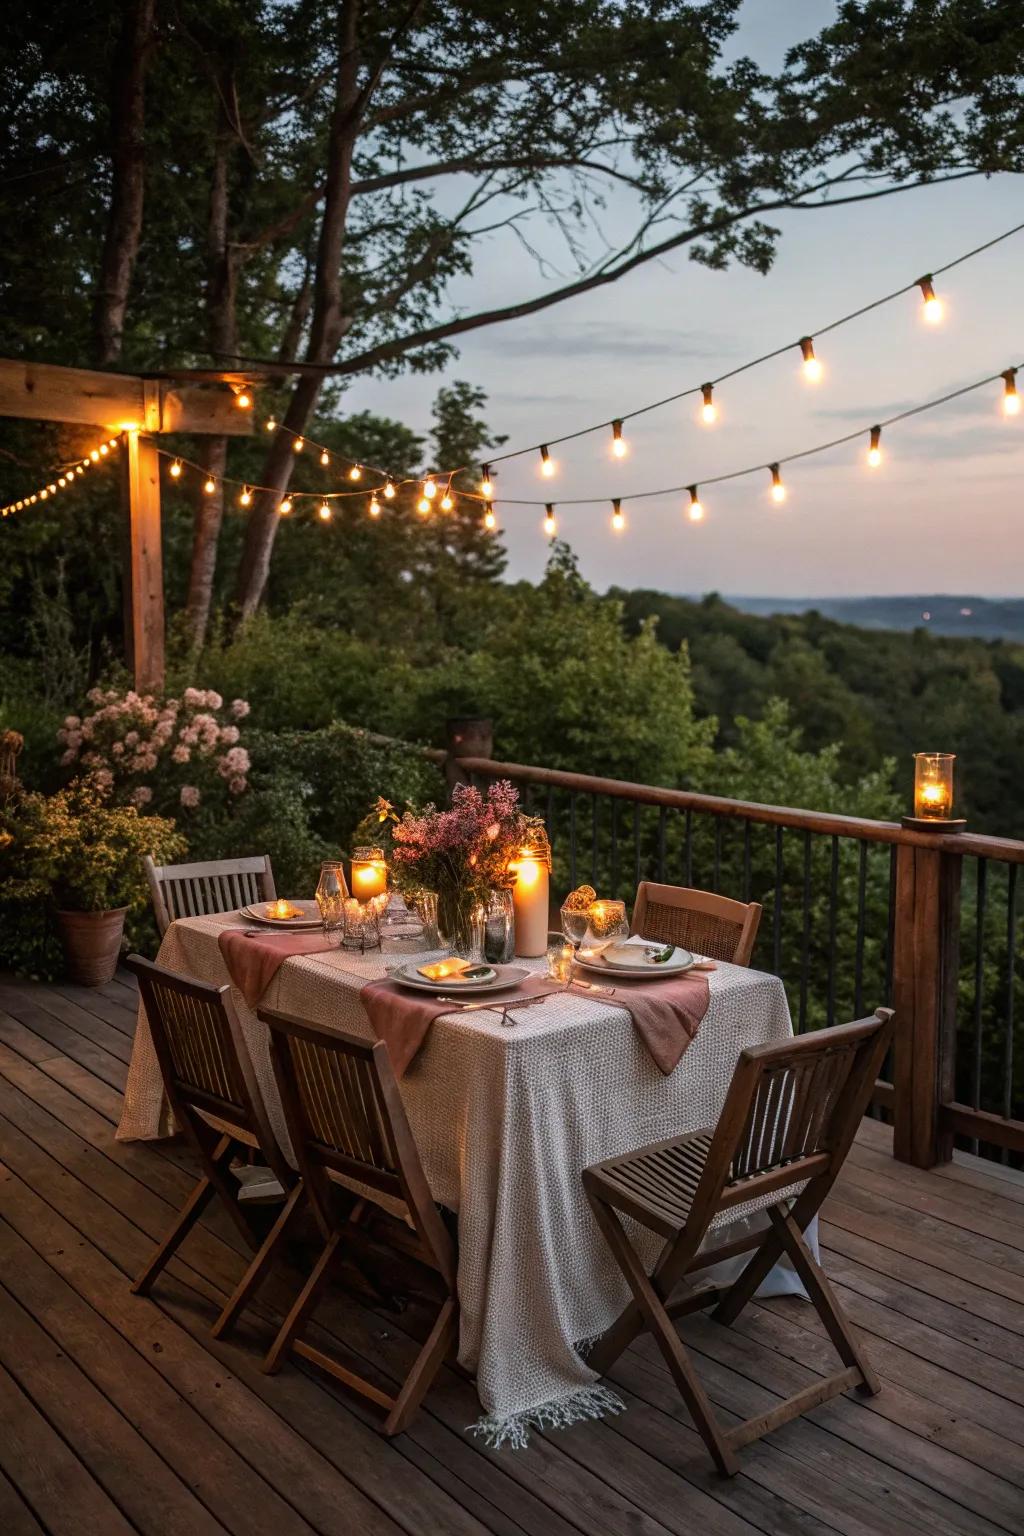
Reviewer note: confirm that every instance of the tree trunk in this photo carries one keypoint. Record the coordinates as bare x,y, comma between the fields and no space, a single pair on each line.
127,154
221,297
327,325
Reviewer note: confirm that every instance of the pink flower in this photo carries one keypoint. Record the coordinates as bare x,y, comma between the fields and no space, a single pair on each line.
194,698
181,753
117,749
237,784
131,738
229,735
189,796
141,795
71,722
67,759
239,708
103,779
190,736
213,699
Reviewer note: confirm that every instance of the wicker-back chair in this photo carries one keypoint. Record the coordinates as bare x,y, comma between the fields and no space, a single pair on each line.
710,925
213,1093
356,1155
196,890
789,1119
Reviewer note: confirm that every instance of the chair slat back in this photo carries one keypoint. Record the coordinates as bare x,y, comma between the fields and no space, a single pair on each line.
337,1090
701,921
197,890
192,1035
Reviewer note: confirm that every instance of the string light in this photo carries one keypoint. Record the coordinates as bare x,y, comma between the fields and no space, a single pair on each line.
325,457
490,521
547,463
932,303
389,490
709,410
619,445
175,470
65,478
245,500
356,472
778,489
325,511
812,365
243,399
874,450
104,449
430,488
423,506
298,443
447,500
695,511
284,506
618,518
271,424
1011,399
209,485
374,507
486,483
550,526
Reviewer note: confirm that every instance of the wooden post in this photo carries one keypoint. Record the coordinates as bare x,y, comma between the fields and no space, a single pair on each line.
926,957
466,736
143,580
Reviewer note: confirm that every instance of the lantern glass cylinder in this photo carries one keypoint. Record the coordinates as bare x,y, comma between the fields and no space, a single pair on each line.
369,873
933,785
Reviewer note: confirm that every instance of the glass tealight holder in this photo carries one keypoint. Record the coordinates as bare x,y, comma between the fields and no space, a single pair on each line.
369,873
560,953
606,922
362,923
934,794
330,898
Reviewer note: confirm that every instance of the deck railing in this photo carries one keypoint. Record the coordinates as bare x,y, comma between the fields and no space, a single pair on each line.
857,913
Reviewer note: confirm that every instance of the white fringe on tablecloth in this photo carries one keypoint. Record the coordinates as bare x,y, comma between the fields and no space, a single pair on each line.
514,1429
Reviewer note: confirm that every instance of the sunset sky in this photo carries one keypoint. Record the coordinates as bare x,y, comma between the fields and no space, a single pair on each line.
943,513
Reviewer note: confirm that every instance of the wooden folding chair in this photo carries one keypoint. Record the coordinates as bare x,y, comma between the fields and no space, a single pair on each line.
212,1090
790,1115
195,890
356,1156
710,925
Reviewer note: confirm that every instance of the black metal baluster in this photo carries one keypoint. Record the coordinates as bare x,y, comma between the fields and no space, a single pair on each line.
1011,977
777,914
833,914
858,964
662,829
637,862
549,815
717,872
688,866
805,937
615,847
593,840
980,899
572,838
747,881
890,930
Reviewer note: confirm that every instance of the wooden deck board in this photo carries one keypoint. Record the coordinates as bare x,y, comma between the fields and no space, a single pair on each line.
119,1414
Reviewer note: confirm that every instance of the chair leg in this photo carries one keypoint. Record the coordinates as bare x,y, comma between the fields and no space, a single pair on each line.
426,1366
189,1214
303,1305
826,1303
750,1277
258,1267
660,1324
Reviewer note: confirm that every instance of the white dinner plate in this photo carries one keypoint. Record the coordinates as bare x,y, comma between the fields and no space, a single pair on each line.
676,965
310,919
505,976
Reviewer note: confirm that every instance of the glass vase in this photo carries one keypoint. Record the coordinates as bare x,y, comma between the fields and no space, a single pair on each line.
460,923
499,929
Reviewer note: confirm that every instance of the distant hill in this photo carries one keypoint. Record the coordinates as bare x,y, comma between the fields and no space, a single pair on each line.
944,614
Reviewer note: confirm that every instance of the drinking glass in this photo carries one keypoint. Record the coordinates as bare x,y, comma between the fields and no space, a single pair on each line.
606,923
574,924
560,957
330,897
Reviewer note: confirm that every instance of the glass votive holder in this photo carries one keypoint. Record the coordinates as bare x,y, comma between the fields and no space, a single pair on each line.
362,923
606,921
560,954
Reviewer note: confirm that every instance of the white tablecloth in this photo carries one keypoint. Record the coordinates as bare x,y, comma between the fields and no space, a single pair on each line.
505,1117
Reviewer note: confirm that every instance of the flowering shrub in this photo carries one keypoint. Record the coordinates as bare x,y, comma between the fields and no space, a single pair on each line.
169,753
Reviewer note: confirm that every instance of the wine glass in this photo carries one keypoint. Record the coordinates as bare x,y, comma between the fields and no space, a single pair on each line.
330,897
575,921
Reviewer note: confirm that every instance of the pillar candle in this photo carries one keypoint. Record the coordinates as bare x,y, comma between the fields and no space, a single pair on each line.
530,903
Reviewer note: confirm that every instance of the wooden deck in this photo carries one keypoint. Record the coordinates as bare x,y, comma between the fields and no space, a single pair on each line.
122,1415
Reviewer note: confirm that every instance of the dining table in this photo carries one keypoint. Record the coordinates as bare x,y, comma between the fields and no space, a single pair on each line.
507,1110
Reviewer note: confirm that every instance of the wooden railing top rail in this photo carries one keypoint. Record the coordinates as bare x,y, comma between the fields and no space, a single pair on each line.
967,844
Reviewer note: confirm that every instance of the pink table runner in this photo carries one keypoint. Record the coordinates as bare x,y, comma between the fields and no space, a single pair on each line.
254,960
666,1014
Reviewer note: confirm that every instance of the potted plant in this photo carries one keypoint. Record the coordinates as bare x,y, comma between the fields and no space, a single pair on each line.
82,857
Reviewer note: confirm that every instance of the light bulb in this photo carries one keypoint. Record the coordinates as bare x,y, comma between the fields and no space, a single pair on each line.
285,506
486,483
778,489
389,491
325,457
79,470
423,506
812,366
209,485
374,507
489,519
709,410
932,305
86,463
874,450
355,473
325,511
618,520
547,463
43,495
430,488
104,449
298,443
694,511
52,490
243,400
1011,399
271,424
175,470
94,455
61,481
619,445
447,502
550,526
245,500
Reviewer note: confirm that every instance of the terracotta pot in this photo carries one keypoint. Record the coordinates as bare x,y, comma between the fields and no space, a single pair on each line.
92,944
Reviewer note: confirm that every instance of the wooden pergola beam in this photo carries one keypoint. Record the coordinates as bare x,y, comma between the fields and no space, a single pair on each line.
117,401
